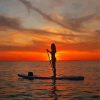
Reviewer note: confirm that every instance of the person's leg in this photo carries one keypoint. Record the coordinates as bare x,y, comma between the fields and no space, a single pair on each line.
54,70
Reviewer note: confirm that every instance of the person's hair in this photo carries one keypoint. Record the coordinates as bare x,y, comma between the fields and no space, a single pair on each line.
53,47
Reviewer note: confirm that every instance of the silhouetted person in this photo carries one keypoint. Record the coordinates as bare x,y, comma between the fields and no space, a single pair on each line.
53,59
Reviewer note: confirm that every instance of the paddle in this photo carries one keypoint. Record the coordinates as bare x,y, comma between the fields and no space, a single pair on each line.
49,60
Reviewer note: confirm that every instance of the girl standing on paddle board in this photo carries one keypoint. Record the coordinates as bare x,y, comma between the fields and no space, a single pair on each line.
53,59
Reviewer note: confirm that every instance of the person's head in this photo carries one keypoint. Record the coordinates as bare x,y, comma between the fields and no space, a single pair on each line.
53,47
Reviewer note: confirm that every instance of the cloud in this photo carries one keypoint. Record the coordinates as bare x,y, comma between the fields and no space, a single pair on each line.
74,24
32,40
28,37
77,23
9,23
23,36
44,15
97,35
97,32
41,46
90,46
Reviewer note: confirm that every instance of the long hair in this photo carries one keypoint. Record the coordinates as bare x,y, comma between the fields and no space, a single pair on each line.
53,47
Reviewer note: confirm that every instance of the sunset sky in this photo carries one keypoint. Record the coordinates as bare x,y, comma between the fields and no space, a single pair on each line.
28,27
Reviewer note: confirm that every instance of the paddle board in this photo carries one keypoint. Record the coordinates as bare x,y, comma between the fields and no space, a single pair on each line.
73,78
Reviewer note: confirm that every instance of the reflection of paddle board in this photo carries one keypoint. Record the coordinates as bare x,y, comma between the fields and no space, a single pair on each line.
73,78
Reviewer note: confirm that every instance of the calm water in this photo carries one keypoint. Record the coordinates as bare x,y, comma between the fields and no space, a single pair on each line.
14,88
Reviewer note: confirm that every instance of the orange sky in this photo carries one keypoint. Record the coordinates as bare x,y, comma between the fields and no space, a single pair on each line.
31,56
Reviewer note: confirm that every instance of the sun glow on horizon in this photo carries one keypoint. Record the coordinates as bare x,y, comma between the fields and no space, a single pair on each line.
22,56
77,55
42,56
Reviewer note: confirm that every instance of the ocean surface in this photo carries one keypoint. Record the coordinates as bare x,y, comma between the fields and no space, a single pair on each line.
14,88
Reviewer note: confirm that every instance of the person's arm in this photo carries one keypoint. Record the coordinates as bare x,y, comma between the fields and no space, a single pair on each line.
48,51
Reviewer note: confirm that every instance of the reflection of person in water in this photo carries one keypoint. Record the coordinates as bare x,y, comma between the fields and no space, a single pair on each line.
54,90
53,59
